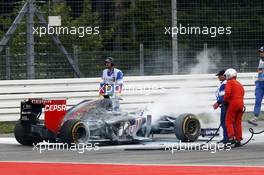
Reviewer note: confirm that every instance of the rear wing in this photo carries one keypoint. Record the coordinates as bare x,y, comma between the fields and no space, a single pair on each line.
54,112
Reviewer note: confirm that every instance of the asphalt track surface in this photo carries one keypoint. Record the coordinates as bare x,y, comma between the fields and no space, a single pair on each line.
251,154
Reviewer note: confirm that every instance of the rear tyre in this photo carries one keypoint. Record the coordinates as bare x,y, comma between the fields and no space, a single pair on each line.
74,131
187,128
22,134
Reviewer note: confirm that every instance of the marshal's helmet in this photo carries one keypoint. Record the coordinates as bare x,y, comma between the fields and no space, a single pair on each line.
230,73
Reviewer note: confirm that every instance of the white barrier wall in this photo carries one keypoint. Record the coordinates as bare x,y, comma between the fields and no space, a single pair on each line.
138,90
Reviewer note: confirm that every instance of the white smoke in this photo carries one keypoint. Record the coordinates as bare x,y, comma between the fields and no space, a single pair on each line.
183,100
189,100
208,61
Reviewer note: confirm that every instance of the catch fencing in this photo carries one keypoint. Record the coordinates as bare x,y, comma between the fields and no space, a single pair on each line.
145,37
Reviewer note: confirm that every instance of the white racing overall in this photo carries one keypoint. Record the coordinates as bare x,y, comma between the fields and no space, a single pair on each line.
114,78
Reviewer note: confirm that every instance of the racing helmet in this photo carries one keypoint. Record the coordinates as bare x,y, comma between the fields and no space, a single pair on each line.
261,49
109,60
230,73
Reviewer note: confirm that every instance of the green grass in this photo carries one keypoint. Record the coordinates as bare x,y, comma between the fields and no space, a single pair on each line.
7,127
248,115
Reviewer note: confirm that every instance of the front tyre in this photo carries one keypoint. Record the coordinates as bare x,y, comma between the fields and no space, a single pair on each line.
187,128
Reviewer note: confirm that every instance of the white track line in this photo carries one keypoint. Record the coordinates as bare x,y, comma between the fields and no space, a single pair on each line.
8,140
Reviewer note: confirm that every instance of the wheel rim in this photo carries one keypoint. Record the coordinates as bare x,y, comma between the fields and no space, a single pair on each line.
192,128
80,133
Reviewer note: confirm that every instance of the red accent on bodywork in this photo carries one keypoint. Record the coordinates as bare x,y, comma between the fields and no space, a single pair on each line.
55,111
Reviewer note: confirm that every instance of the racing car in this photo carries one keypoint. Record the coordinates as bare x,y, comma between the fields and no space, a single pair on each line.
93,120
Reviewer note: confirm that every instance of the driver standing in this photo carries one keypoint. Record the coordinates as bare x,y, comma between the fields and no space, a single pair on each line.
112,83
